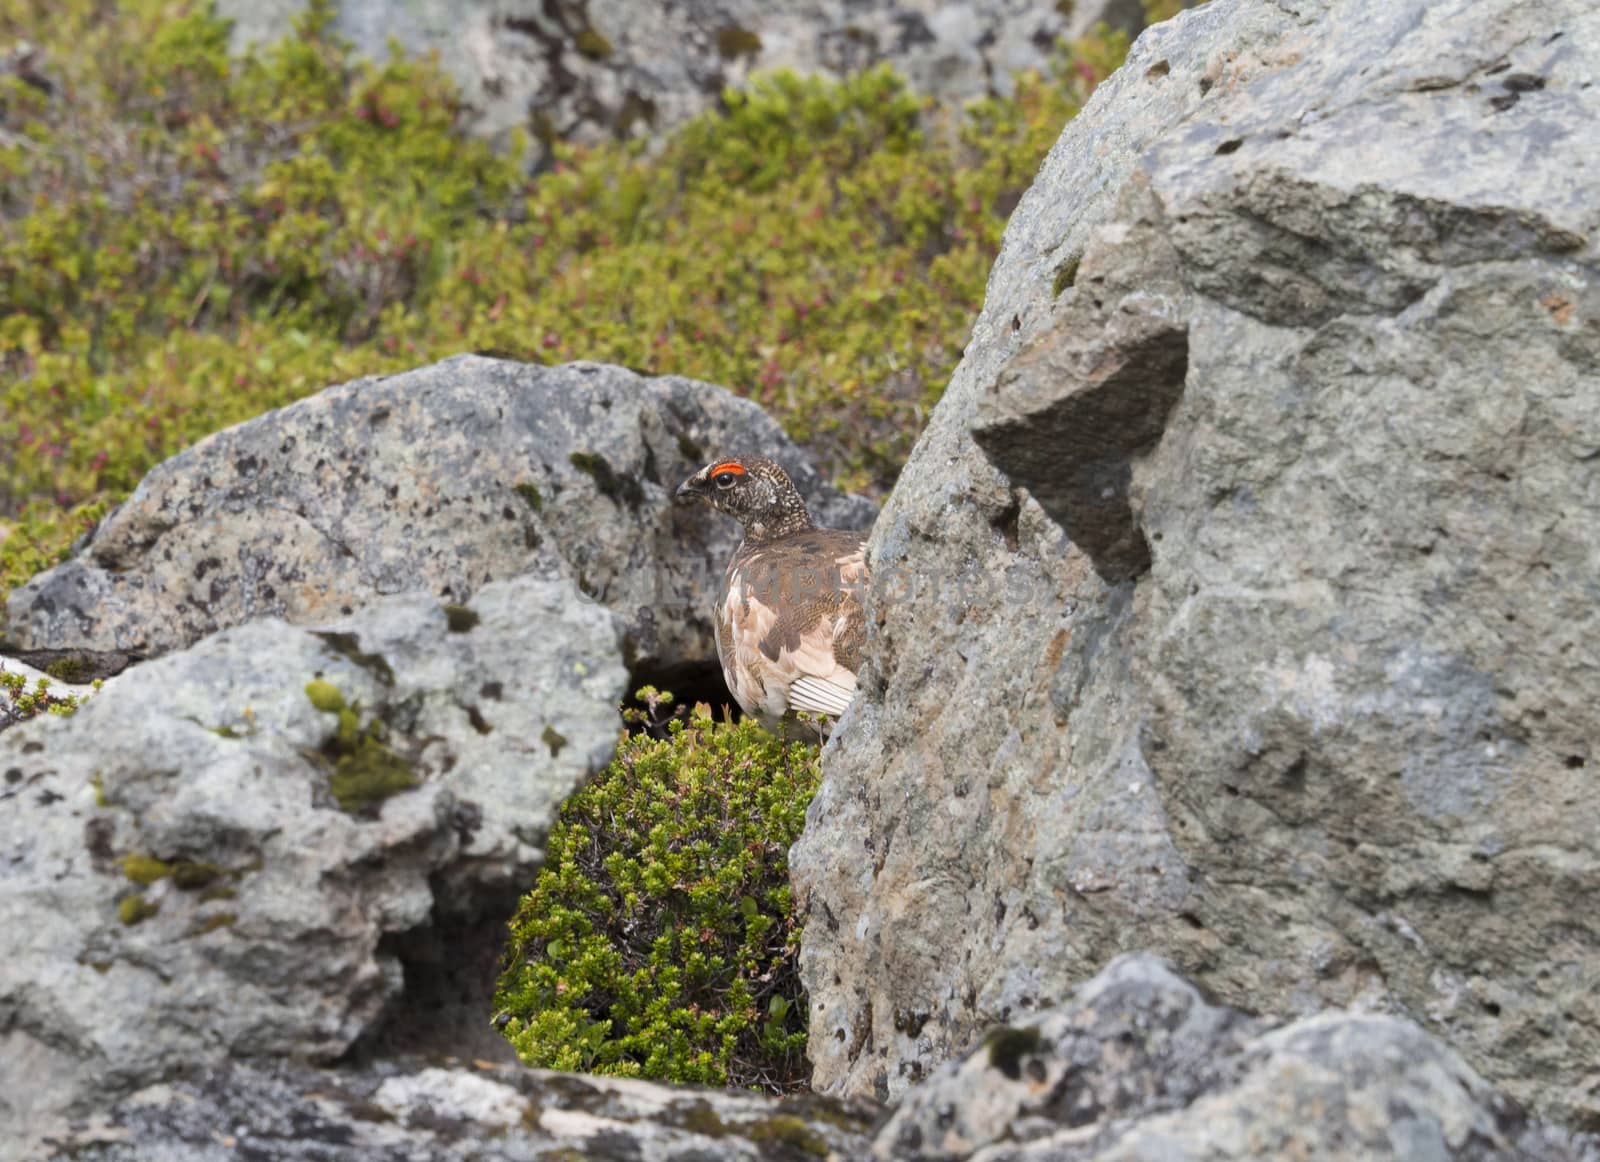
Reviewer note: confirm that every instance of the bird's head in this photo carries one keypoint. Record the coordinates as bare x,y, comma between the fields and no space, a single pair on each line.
753,490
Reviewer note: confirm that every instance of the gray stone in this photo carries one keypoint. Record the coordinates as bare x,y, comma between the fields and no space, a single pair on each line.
444,479
1141,1066
281,920
586,71
410,1109
1307,699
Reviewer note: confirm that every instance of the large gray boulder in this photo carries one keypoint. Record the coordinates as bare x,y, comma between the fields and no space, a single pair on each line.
587,71
1239,601
441,479
1141,1066
286,841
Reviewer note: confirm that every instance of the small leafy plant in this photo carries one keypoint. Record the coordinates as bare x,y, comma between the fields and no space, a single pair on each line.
20,701
657,941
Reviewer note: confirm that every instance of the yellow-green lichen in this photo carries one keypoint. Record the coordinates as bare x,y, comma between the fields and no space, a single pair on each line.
788,1130
136,910
213,923
1066,275
188,874
530,494
365,771
145,869
734,41
460,618
367,774
70,670
592,43
325,696
701,1119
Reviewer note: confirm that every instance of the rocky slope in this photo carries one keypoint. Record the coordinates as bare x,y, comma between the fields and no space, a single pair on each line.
1238,602
585,70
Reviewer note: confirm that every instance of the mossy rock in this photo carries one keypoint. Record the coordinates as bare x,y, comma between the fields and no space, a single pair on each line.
592,43
135,910
365,771
369,774
788,1130
460,618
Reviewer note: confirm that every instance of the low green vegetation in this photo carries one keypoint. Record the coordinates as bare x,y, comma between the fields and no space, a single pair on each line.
21,700
187,241
363,770
658,941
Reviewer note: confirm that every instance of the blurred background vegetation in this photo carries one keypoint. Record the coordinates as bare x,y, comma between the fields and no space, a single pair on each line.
188,240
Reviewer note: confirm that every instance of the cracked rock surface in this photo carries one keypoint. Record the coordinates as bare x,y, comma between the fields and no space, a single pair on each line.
1139,1065
190,876
407,1108
1238,602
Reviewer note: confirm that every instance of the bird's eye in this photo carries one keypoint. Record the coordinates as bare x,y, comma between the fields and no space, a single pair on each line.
724,479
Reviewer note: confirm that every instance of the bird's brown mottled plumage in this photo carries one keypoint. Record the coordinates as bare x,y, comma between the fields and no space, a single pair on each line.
789,622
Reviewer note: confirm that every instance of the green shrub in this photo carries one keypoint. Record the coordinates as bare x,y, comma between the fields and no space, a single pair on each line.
19,701
187,241
657,941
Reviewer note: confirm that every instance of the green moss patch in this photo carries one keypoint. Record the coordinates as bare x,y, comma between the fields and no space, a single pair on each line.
530,494
188,874
135,910
734,41
213,923
461,619
364,771
788,1130
368,774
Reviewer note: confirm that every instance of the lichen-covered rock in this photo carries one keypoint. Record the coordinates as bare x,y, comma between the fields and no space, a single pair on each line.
585,71
1282,662
440,479
1141,1066
407,1109
285,840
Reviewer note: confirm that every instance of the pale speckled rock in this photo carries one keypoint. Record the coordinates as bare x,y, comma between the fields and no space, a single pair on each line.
440,479
589,70
1140,1066
291,928
408,1110
1332,744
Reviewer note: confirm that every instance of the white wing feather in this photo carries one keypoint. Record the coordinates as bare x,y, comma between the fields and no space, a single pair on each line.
822,695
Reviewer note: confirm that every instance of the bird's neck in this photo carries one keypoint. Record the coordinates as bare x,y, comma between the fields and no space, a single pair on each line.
764,530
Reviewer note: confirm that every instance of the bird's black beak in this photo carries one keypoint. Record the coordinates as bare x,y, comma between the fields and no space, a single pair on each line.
690,490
